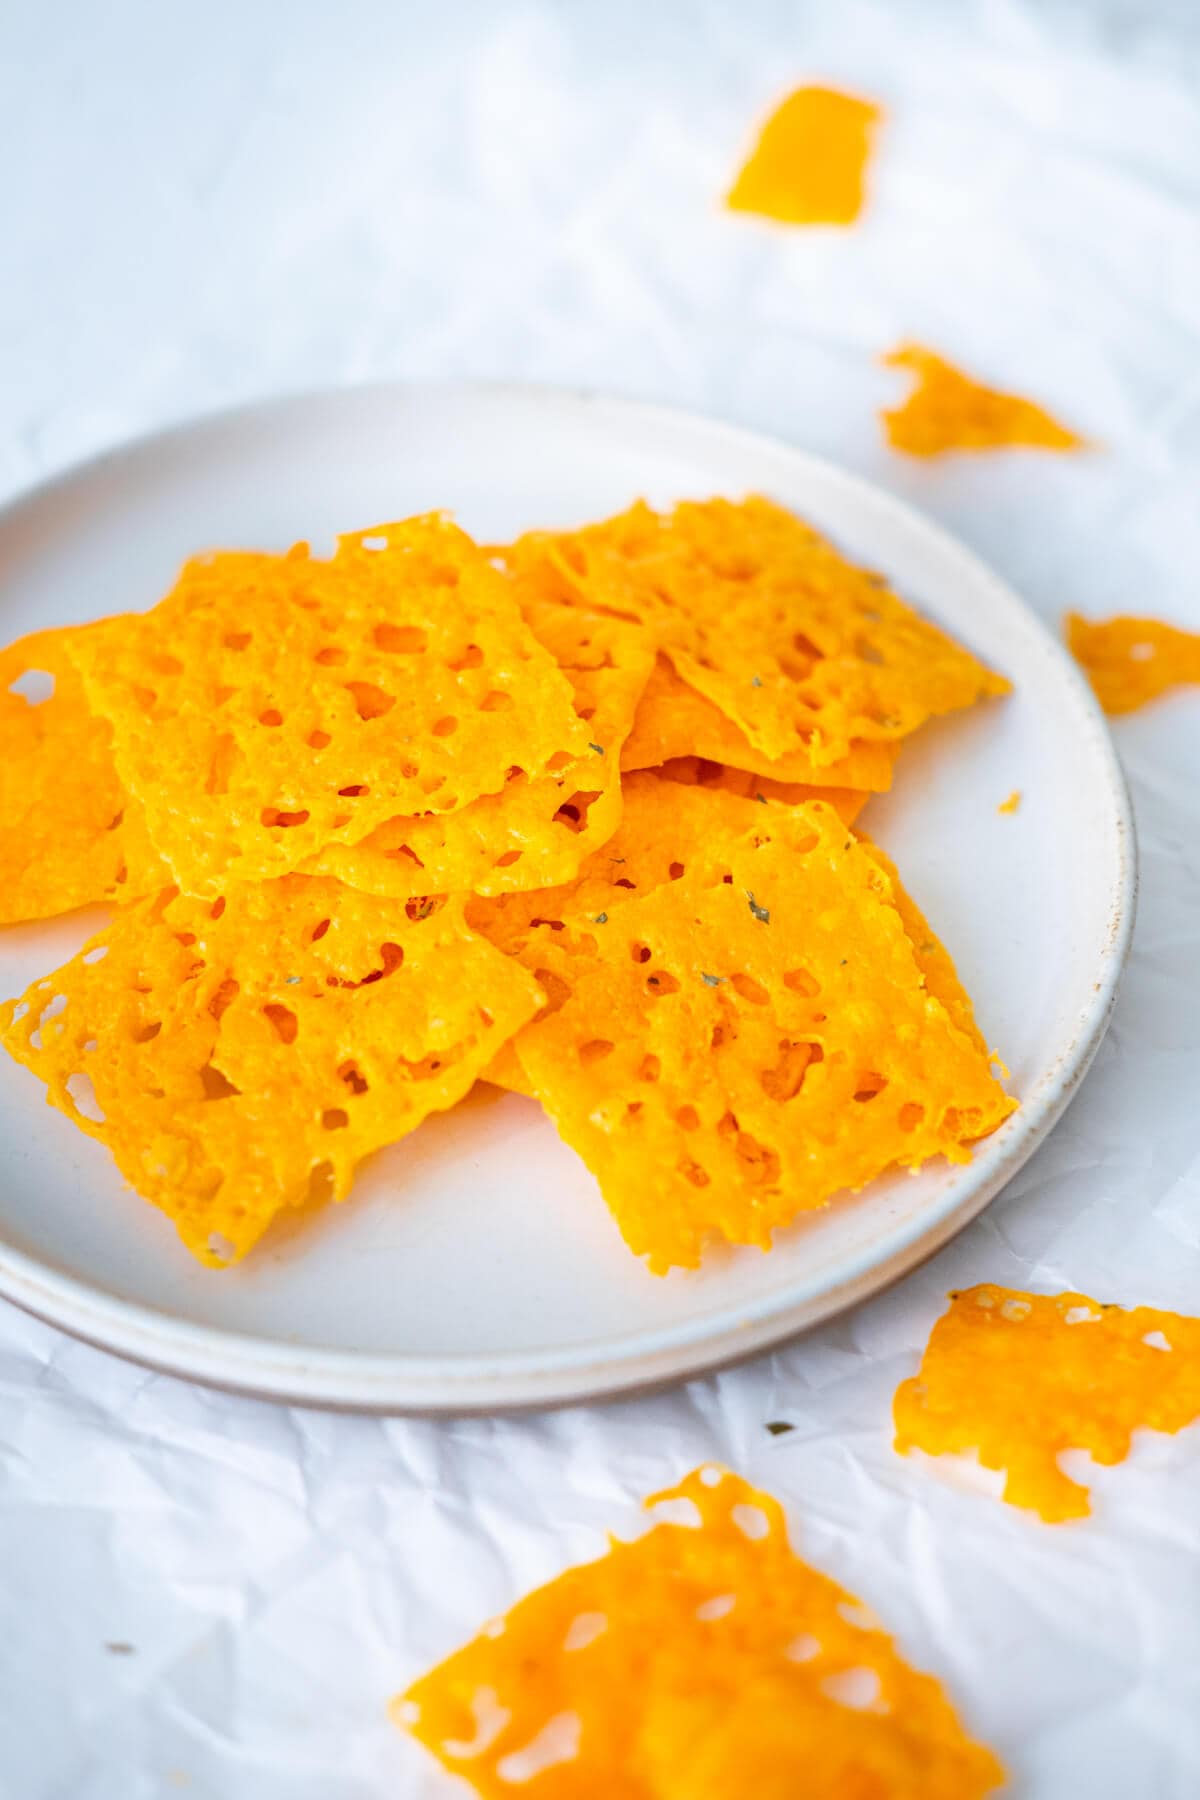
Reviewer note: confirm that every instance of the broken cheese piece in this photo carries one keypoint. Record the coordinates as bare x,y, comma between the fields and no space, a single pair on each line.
1020,1378
947,410
809,164
1131,661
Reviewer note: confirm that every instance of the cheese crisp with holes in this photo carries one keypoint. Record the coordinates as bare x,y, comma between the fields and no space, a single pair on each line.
240,1057
662,833
538,828
273,705
703,1661
801,650
69,833
1019,1378
749,1037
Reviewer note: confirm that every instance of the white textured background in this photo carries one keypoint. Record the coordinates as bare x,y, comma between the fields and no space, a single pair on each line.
200,204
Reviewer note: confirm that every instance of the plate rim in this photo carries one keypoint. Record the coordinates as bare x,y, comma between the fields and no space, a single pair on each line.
454,1384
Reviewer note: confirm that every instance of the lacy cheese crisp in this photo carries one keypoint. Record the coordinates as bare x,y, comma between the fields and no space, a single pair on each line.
749,1038
802,651
947,411
1019,1378
701,1662
273,705
539,827
663,833
808,165
1130,661
241,1056
69,834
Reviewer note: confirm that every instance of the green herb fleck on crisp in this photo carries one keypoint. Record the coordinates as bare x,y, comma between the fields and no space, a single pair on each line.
845,960
760,912
600,919
756,681
777,1427
598,748
710,980
761,798
293,981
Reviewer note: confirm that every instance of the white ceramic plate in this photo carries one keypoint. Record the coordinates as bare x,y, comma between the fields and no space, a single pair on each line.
475,1265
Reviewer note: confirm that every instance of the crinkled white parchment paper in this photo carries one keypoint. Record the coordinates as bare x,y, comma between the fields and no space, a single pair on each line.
202,204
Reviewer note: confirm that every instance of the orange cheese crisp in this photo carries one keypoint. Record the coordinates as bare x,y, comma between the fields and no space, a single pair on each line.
1020,1378
272,705
800,649
808,165
674,721
241,1056
664,827
1012,804
699,1662
69,835
663,833
1130,661
947,410
747,1039
538,829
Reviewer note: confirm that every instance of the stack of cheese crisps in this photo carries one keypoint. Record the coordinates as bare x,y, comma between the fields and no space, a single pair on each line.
574,816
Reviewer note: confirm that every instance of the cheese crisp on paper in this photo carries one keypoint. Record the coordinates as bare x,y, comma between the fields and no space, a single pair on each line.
703,1661
1019,1378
